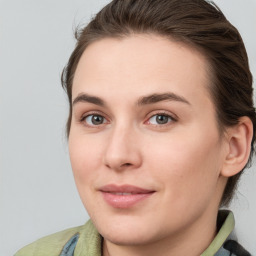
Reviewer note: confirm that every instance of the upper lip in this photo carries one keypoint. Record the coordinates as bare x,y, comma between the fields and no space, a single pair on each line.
112,188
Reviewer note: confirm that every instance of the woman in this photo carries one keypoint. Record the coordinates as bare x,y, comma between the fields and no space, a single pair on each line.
161,126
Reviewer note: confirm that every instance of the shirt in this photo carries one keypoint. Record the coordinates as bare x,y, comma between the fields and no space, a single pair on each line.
86,241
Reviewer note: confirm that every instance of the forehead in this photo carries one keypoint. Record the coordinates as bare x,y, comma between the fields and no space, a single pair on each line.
141,64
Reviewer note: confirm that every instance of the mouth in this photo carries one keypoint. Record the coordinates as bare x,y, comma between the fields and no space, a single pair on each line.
124,196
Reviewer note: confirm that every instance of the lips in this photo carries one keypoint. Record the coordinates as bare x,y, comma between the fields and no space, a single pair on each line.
124,196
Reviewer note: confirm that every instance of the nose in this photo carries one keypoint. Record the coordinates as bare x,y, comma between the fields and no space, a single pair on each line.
122,151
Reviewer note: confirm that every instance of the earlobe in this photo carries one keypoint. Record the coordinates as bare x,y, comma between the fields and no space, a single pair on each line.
239,147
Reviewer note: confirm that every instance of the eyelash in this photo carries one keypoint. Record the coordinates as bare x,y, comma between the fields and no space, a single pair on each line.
170,117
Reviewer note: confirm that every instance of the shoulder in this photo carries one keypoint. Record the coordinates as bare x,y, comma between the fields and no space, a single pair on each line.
54,244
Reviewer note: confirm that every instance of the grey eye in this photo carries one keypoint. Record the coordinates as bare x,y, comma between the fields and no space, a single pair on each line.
160,119
95,120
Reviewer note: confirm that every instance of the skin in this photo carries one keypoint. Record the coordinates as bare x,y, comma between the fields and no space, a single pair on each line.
185,160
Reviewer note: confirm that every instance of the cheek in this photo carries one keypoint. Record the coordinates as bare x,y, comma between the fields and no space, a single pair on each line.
190,165
85,157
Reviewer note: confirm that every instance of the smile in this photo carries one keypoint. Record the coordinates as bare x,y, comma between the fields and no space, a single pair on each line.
124,196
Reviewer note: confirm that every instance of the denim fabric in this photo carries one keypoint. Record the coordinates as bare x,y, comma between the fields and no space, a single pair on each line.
69,247
232,248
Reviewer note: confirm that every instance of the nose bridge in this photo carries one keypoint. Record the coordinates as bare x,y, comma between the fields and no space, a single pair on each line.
122,147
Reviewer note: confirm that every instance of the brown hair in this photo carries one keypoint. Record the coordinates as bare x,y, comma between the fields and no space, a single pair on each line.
198,23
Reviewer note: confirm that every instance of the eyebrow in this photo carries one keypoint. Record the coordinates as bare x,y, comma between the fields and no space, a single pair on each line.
83,97
145,100
157,97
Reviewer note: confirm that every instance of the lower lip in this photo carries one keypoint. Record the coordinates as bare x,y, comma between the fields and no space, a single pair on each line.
124,201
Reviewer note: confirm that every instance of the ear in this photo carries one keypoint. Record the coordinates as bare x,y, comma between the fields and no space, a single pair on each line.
239,147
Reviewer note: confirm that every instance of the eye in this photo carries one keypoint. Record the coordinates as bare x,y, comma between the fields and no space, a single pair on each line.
160,119
94,119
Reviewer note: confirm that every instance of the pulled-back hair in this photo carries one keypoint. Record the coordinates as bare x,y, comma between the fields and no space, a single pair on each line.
199,24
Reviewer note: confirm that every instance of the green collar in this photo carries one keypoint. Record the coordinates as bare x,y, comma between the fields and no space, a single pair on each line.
225,224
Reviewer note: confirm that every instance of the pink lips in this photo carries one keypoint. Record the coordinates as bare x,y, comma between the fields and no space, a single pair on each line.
124,196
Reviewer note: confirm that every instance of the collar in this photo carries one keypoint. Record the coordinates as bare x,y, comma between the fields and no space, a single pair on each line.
90,241
225,226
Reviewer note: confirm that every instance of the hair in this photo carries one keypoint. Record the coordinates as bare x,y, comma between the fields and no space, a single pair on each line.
197,23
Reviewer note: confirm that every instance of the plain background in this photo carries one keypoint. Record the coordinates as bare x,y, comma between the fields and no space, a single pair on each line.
37,191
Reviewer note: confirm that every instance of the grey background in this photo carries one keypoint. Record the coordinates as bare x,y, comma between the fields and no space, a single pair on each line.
37,191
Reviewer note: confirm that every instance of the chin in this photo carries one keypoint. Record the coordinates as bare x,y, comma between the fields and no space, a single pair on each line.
127,232
129,239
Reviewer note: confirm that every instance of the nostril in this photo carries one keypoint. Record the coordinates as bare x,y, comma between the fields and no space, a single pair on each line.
127,164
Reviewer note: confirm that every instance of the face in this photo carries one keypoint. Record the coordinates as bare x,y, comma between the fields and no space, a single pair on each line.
144,144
